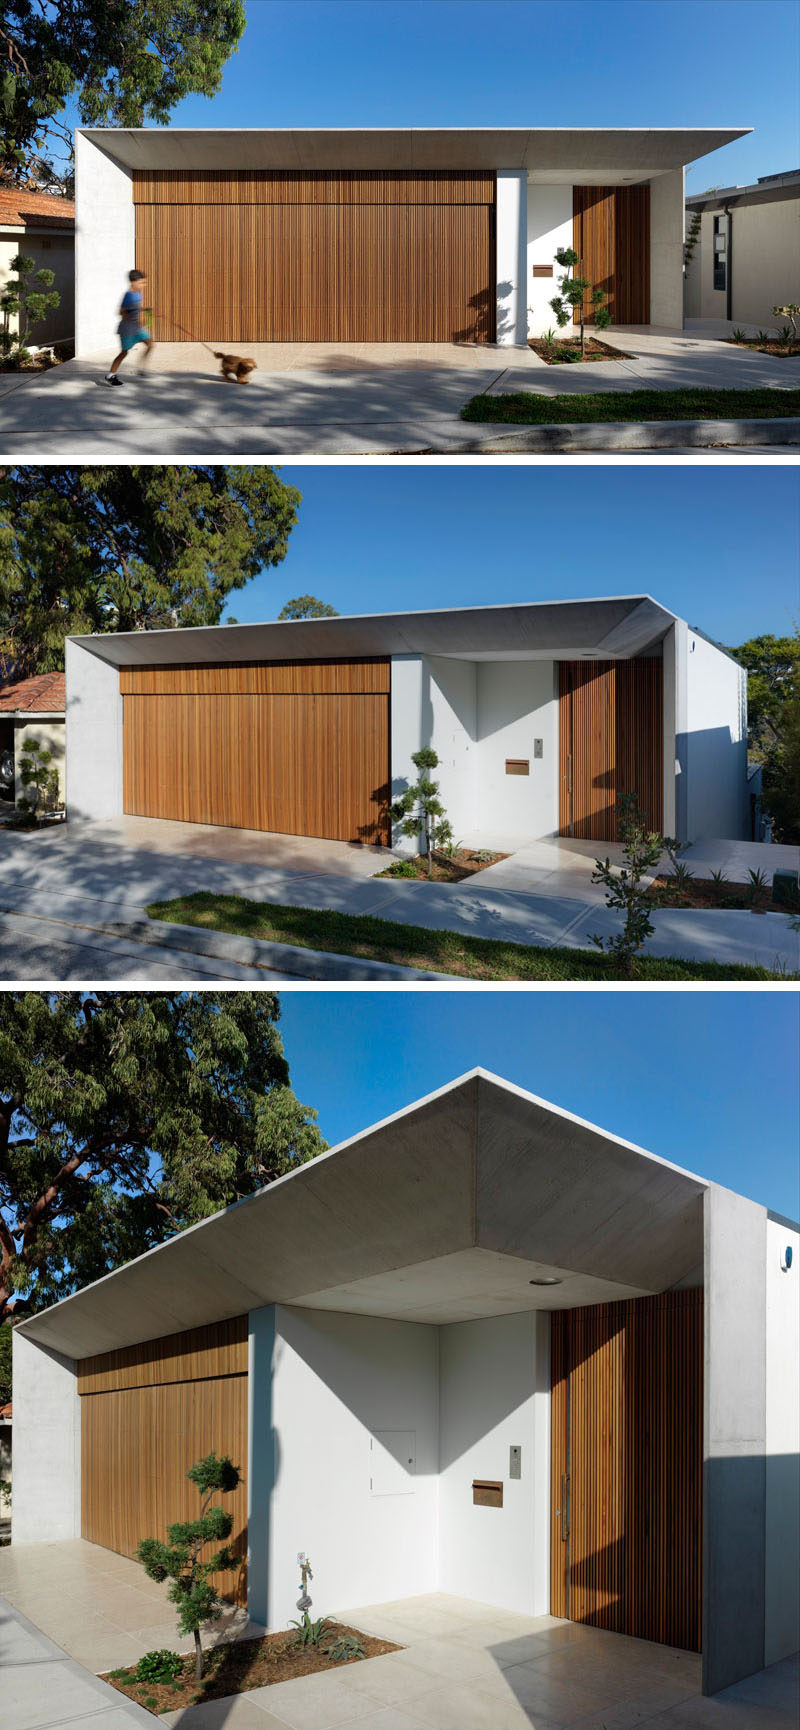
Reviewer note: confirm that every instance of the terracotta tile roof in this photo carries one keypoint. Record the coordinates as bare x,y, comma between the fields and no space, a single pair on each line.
5,1411
35,209
45,693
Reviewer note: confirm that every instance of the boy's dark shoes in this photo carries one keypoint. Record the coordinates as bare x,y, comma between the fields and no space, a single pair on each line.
112,378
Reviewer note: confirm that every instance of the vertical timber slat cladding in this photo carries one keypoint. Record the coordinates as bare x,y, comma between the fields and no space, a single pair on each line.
629,1377
147,1413
611,234
610,732
348,257
295,748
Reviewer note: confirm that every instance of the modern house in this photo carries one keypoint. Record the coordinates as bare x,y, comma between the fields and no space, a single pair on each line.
746,256
427,235
541,714
484,1348
30,710
42,227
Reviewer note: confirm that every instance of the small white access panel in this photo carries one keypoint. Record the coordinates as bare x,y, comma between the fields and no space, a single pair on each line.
392,1462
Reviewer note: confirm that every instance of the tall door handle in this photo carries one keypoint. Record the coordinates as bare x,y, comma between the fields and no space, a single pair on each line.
564,1506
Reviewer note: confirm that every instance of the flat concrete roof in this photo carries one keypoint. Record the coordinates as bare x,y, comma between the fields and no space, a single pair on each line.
605,152
620,626
444,1212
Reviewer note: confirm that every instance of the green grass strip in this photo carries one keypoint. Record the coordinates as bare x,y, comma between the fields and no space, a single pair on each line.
535,408
413,946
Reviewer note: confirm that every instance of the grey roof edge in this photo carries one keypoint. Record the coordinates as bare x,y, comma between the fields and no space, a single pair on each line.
477,1075
781,1219
772,190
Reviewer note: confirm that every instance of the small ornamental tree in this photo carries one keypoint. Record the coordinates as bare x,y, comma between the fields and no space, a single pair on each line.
28,296
179,1560
572,294
39,778
419,810
642,849
792,312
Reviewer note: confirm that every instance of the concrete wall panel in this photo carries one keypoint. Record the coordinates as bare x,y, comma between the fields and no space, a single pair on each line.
104,245
666,249
512,246
46,1493
93,736
782,1580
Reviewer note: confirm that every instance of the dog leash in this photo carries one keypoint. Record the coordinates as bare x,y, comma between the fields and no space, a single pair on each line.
154,312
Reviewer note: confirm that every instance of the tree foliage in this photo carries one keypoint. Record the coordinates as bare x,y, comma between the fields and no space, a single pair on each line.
307,607
773,679
781,776
126,547
181,1561
117,62
125,1116
625,885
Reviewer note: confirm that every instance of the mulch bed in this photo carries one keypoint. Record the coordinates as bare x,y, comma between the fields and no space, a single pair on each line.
567,353
777,348
701,892
447,867
238,1666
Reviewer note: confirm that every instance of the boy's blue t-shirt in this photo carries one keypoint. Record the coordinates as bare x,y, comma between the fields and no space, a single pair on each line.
131,302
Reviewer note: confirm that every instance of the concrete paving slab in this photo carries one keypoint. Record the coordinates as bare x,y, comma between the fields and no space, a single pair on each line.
42,1688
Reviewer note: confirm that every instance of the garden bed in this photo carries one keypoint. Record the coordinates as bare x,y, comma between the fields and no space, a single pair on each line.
564,351
766,345
537,408
447,867
237,1666
701,892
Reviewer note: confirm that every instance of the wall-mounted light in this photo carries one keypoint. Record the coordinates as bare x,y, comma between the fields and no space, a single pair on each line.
546,1279
786,1259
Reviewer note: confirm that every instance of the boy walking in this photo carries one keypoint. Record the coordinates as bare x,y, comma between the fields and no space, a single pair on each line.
131,329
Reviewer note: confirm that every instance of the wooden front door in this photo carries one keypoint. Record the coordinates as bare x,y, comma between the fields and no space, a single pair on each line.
611,234
610,737
317,257
626,1467
298,748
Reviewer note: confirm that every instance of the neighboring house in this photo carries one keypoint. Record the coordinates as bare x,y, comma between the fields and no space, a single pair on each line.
31,709
541,715
5,1463
483,1347
43,227
747,256
427,235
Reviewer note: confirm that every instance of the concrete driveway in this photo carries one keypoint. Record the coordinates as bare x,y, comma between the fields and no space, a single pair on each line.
98,878
463,1665
338,399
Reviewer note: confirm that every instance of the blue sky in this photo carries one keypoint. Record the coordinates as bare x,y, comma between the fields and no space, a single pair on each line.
719,545
707,1079
522,63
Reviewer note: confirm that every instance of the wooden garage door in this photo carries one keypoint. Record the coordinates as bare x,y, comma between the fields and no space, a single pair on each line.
147,1413
610,736
627,1465
299,748
611,234
238,258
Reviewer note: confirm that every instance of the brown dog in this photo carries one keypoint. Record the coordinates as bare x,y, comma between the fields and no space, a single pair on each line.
233,367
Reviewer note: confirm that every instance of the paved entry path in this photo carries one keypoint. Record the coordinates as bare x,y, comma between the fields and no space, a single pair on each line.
41,1688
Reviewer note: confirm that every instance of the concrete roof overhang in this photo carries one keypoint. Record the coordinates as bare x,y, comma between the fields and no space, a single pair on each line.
619,627
613,152
444,1212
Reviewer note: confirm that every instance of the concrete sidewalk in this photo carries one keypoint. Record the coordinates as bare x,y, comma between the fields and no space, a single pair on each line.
41,1688
347,399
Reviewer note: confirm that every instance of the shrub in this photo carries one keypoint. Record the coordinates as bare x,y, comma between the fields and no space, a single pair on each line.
162,1667
642,849
28,296
343,1648
39,778
309,1633
179,1560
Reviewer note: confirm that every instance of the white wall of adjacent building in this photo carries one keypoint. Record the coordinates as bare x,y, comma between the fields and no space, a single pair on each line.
765,264
782,1536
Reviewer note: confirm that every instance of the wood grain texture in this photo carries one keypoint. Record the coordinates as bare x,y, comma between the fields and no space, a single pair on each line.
337,271
281,186
295,764
269,678
611,234
217,1350
138,1441
610,742
628,1403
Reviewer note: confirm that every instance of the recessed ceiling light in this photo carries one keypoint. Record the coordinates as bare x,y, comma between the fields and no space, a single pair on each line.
548,1279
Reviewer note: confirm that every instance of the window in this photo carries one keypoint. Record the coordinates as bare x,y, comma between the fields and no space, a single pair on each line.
720,251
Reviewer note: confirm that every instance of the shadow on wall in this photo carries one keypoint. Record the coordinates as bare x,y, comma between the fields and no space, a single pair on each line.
751,1611
506,311
482,328
712,791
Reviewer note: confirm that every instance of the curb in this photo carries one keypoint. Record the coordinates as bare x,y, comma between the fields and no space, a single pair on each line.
256,952
633,435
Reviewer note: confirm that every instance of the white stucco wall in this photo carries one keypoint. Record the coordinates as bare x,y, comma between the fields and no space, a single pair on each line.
336,1380
666,249
93,736
782,1583
716,743
517,704
495,1395
511,255
549,228
50,735
104,245
766,264
433,702
46,1492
